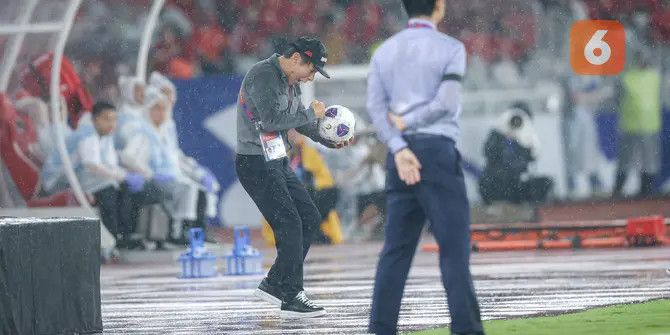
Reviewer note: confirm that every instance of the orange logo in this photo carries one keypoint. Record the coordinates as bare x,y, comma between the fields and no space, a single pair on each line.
597,47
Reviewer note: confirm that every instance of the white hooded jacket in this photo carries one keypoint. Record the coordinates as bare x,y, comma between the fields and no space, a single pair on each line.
526,135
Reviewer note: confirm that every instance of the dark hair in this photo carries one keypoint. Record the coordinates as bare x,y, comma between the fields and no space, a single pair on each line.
279,44
291,49
419,7
524,107
100,107
515,122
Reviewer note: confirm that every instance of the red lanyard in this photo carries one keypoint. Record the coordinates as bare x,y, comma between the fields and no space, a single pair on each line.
245,108
419,25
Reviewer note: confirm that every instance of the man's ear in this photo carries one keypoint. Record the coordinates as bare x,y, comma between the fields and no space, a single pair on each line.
295,57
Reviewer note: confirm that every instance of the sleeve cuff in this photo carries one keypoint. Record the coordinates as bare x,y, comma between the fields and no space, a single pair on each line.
309,113
396,144
411,120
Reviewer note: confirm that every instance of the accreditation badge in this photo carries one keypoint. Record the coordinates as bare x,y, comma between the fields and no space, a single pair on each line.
273,145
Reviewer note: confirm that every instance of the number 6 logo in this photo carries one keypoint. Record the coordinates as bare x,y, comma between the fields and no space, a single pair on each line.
597,47
596,43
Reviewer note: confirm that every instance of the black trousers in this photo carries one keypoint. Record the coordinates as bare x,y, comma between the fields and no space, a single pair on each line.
290,211
325,200
119,208
504,188
200,219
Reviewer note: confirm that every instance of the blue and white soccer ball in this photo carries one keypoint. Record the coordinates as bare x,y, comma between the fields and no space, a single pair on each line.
338,125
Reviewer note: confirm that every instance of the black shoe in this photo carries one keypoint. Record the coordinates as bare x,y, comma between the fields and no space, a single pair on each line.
300,307
268,293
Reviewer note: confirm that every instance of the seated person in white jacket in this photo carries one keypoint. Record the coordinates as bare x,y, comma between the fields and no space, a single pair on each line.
189,167
131,109
38,112
117,192
146,153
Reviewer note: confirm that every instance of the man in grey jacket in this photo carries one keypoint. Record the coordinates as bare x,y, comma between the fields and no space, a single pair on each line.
268,107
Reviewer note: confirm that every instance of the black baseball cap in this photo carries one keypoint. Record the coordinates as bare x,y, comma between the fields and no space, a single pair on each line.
314,50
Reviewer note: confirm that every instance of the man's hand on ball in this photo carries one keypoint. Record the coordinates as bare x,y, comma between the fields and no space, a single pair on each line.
338,145
319,109
346,143
397,121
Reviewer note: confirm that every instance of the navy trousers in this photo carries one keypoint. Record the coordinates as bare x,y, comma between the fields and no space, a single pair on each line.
440,197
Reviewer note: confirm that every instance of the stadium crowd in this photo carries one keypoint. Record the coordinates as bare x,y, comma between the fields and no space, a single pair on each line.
135,158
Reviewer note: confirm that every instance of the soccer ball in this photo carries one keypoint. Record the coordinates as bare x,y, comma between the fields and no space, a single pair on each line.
338,125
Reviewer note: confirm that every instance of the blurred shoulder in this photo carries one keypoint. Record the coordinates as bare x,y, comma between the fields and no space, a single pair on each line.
448,41
388,46
263,69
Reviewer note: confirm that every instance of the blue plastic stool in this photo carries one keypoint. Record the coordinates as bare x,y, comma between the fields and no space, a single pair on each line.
244,259
197,262
241,239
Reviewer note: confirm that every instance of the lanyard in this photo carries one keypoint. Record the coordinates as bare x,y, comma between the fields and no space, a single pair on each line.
290,97
245,108
272,142
251,116
419,25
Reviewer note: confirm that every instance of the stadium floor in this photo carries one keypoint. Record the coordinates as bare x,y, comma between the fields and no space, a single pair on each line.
149,299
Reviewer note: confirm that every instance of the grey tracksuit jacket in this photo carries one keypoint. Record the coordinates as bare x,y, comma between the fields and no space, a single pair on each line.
267,97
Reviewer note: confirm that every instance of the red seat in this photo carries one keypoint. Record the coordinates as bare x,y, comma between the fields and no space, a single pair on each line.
62,199
16,135
35,79
14,139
